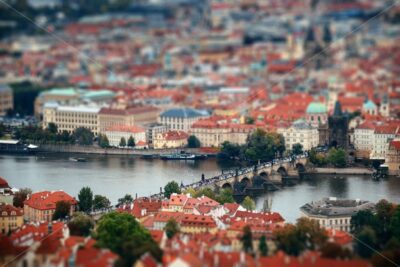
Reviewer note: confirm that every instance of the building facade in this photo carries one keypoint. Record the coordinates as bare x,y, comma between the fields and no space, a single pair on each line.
138,116
180,119
11,218
316,114
69,118
117,132
212,133
170,139
300,132
393,157
335,213
6,99
41,206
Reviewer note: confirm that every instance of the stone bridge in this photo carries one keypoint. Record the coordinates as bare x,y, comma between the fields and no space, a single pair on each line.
261,175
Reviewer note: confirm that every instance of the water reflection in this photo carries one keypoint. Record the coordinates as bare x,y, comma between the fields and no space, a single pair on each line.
338,187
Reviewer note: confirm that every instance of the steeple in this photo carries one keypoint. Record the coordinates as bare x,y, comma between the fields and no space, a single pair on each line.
338,109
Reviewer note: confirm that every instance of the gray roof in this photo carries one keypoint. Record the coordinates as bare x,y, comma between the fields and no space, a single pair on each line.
332,207
5,88
183,113
301,124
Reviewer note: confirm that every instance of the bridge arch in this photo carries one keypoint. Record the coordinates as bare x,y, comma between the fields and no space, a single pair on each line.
300,167
245,180
264,174
227,186
282,170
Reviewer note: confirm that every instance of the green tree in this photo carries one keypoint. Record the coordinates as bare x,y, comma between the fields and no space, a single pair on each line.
127,199
248,203
65,137
101,202
395,223
229,151
263,146
337,157
262,246
20,197
170,188
361,219
297,149
123,234
102,141
193,142
311,233
131,141
384,212
2,130
249,120
287,240
190,191
335,251
171,228
208,192
52,128
122,142
83,136
225,196
80,224
365,243
85,199
62,210
247,240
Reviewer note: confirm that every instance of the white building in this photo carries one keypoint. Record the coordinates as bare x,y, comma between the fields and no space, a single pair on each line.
300,132
117,132
69,118
382,136
181,119
335,213
363,139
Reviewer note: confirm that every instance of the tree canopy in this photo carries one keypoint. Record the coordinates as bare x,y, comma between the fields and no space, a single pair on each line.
101,202
131,141
193,142
62,210
20,197
248,203
85,199
124,235
83,136
171,228
80,224
170,188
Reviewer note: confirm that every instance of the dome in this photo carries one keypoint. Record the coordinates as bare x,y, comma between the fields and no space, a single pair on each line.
316,107
369,105
3,183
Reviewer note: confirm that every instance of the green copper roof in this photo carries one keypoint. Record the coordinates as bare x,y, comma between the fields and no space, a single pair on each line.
99,93
369,105
62,91
316,107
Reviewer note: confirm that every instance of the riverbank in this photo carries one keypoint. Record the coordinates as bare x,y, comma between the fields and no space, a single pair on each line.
341,171
76,149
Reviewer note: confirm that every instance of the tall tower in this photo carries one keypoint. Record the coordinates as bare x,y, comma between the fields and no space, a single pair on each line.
338,128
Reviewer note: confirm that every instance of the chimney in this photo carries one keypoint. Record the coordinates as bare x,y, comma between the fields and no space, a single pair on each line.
242,258
49,228
216,260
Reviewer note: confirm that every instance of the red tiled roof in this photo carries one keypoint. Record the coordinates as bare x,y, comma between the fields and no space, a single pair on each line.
47,200
3,183
128,111
9,209
175,135
126,129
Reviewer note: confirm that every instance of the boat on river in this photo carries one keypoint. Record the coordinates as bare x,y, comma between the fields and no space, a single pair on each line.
78,159
178,156
17,147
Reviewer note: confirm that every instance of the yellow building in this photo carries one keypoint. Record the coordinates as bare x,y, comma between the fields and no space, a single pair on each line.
42,205
139,115
6,99
69,118
213,133
170,139
10,218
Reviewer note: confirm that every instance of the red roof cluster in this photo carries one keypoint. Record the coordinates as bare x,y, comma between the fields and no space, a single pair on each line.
46,200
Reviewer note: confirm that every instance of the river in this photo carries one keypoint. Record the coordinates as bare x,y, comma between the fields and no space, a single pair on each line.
114,176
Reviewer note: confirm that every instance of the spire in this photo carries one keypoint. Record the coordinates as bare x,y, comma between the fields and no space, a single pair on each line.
338,109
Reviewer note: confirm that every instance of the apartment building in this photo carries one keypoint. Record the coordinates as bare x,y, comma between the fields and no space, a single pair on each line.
180,119
6,99
11,218
69,118
130,116
299,132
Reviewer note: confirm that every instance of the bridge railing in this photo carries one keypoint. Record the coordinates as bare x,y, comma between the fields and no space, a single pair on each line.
231,173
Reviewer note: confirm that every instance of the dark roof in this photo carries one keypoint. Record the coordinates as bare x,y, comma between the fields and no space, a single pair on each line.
336,207
5,88
182,113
